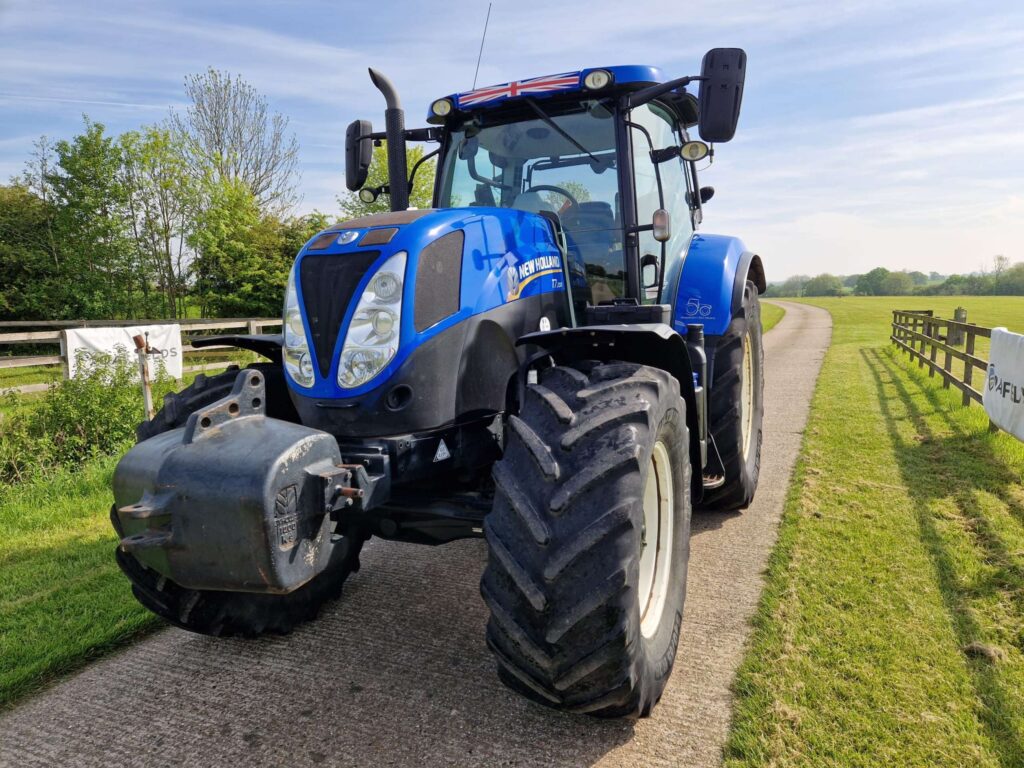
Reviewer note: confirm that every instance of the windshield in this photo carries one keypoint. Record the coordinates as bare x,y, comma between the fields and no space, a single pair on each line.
533,166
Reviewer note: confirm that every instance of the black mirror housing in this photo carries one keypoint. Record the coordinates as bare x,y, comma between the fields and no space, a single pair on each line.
721,93
358,153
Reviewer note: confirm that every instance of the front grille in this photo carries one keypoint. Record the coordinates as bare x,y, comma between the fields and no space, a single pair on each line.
328,283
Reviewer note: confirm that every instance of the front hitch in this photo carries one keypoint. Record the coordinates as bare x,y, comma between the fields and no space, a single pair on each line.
235,500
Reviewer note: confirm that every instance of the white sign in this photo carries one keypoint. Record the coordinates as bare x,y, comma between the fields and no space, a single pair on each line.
165,338
1003,394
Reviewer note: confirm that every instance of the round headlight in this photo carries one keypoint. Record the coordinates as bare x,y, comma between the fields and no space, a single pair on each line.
367,195
694,150
306,366
441,107
385,286
383,322
597,79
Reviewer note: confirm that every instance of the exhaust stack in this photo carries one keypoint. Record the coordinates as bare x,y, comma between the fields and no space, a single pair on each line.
394,129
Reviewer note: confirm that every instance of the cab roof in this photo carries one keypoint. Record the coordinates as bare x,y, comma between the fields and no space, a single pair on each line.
624,77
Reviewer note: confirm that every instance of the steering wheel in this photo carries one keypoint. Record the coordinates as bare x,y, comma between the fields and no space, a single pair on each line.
573,202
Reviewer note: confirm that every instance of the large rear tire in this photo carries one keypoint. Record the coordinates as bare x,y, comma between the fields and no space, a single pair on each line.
736,408
222,613
589,540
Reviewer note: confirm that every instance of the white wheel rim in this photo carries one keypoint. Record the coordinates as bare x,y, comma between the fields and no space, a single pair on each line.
747,395
656,540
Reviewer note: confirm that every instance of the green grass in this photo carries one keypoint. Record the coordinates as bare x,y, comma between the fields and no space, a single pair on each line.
770,315
891,629
62,599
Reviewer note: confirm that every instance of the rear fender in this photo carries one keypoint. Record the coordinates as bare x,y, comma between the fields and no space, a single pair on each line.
653,344
711,285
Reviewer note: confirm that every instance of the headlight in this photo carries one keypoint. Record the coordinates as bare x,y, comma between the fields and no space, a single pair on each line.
598,79
372,339
297,359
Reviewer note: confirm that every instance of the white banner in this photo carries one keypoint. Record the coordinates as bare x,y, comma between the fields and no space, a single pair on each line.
165,338
1004,391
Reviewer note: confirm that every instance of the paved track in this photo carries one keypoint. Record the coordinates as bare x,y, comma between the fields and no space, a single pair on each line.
396,673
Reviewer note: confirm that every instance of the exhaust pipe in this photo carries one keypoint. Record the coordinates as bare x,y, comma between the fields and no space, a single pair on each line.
394,129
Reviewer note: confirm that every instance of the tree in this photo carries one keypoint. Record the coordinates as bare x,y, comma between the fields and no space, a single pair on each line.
824,285
896,284
163,200
420,196
229,133
242,256
90,226
28,288
918,278
1000,264
1010,281
793,286
870,284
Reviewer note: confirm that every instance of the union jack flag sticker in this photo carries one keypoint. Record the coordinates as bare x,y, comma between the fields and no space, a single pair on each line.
536,85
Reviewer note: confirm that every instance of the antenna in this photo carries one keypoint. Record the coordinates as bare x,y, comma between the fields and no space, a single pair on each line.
481,54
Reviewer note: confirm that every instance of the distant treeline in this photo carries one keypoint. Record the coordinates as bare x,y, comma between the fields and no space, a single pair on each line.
191,216
1005,279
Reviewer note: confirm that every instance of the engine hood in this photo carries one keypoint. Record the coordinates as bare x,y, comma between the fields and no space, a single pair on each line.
460,262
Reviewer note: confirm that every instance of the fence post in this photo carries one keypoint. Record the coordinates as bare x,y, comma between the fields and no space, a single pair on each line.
65,364
252,327
955,335
968,365
933,333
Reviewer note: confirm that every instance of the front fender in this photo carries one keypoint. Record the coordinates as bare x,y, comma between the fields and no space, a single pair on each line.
711,285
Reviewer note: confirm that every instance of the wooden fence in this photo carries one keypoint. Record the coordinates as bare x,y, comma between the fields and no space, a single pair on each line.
47,333
925,338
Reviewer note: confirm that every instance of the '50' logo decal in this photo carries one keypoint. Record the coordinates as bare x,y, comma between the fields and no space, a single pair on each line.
695,309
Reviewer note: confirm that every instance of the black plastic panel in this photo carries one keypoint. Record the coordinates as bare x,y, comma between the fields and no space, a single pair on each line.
438,280
328,285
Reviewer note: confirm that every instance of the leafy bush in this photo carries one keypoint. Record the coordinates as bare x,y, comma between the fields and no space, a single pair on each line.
92,414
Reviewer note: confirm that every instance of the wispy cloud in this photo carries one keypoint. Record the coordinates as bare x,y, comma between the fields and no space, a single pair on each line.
874,131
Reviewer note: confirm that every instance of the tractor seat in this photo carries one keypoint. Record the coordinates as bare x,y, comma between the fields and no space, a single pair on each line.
532,202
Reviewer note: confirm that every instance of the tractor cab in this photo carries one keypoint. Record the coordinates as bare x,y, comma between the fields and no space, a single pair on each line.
605,154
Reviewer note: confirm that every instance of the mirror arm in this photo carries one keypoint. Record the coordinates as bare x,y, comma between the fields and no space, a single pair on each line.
641,97
412,176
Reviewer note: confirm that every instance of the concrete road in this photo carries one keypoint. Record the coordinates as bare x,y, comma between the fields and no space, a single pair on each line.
396,673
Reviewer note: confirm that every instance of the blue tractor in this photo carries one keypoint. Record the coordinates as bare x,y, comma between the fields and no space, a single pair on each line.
550,357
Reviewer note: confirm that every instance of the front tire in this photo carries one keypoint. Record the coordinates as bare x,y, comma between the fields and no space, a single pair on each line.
736,407
589,540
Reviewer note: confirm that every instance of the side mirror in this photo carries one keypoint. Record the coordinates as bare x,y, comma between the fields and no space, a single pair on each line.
721,92
706,193
649,270
358,153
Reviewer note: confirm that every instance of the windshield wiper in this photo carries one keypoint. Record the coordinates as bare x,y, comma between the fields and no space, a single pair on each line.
565,135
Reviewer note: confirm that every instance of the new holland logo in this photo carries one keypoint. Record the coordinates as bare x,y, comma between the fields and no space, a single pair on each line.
442,452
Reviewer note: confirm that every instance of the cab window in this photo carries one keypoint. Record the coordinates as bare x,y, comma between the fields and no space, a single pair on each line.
654,127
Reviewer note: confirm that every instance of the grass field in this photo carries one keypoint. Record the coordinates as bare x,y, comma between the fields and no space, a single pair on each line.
891,630
770,315
62,598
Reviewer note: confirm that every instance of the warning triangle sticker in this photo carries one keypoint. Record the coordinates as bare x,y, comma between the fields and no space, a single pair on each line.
442,452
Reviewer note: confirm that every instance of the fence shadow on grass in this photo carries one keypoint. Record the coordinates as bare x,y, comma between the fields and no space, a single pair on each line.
955,467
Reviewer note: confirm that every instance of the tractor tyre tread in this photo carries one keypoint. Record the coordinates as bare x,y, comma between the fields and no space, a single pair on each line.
563,535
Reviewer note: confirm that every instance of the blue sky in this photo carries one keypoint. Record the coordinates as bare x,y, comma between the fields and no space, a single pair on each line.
873,132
